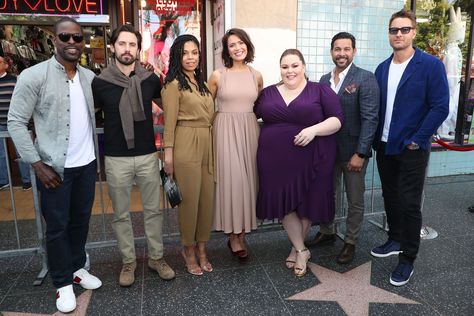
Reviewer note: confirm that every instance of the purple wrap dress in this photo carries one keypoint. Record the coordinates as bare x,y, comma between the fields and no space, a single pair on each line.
296,178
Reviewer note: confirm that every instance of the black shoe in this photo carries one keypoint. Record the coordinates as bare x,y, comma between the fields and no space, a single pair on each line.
347,254
26,186
321,239
4,186
471,208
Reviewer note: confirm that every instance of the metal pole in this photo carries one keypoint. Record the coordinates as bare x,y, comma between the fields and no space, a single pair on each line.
413,6
12,196
382,225
459,135
426,232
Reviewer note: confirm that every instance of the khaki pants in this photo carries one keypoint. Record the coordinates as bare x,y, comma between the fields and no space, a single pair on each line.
121,172
354,183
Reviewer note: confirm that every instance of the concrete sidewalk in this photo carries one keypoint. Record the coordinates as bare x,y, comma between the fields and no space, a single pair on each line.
442,283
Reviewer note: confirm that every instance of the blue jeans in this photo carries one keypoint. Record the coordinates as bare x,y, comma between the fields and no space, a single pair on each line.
66,211
24,168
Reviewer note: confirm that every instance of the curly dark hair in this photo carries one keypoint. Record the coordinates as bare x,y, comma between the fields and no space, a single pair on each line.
176,69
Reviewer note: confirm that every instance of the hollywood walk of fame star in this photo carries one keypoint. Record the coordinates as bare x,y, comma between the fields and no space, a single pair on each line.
82,302
351,290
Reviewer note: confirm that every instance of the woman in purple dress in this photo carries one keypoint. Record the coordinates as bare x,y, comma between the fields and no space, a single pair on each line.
296,154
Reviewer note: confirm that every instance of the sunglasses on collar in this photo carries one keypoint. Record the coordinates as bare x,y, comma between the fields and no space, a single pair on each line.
65,37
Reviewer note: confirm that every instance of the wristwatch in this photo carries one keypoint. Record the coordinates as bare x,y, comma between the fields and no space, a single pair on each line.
413,146
361,155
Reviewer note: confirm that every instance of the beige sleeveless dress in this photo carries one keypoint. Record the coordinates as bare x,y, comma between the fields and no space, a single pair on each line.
235,135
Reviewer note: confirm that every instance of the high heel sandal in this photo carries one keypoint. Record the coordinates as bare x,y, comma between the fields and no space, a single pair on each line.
298,271
192,268
203,262
291,260
242,254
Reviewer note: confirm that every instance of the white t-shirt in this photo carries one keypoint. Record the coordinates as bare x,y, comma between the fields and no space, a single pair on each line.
80,151
395,73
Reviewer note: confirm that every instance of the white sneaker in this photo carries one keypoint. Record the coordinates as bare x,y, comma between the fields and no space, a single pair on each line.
86,280
65,299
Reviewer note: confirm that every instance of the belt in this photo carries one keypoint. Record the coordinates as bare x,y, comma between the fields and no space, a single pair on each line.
194,124
210,155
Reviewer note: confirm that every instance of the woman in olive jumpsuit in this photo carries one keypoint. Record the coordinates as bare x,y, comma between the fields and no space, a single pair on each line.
188,110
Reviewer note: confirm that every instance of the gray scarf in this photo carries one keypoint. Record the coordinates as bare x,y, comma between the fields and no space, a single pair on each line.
131,103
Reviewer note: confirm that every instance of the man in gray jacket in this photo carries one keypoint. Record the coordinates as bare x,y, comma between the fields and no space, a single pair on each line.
359,94
58,94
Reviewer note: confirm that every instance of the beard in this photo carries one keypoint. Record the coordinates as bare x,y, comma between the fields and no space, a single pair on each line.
125,61
342,62
69,57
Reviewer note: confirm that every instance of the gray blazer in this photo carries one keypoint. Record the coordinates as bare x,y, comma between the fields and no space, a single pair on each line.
359,95
42,91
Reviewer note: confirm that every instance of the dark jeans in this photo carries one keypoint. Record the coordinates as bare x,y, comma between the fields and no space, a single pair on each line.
403,178
67,210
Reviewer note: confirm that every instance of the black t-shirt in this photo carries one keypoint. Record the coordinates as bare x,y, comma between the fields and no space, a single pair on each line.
107,98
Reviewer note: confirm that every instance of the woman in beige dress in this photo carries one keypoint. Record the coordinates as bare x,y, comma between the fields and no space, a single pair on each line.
188,110
235,136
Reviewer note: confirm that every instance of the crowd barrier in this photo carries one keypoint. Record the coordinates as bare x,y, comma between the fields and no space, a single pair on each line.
105,239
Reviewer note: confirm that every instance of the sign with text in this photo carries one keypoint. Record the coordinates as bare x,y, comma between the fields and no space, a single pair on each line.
218,30
54,7
180,7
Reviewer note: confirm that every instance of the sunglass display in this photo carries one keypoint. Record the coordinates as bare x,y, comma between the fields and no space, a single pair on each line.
404,30
65,37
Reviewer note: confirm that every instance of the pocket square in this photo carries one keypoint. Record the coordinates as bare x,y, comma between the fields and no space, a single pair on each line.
351,88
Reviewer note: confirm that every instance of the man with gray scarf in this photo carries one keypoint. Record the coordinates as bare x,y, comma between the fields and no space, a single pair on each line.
124,92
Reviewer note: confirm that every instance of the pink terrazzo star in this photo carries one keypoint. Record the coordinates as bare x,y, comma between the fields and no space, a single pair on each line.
82,303
351,290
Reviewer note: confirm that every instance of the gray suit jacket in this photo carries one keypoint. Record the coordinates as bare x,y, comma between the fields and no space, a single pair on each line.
359,95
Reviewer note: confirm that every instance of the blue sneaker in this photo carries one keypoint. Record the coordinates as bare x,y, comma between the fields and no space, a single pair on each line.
402,274
390,248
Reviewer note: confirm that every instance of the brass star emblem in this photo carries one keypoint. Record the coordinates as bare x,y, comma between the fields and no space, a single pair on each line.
351,290
82,302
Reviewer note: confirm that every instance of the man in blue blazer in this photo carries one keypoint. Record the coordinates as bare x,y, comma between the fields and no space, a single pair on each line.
414,101
359,94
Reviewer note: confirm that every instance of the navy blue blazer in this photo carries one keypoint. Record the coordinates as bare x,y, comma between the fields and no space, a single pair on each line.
421,102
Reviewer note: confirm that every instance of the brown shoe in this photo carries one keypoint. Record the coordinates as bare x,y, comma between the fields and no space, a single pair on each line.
164,270
321,239
127,275
347,254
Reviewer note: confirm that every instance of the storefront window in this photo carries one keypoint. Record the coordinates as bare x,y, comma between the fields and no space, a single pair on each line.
26,45
442,32
161,22
319,21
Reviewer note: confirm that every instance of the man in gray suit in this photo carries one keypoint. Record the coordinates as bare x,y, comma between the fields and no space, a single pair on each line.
359,95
